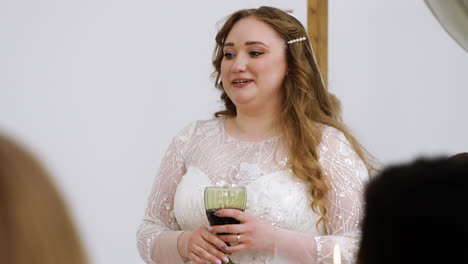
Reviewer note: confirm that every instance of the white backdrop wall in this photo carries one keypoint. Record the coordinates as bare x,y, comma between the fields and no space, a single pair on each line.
402,80
98,89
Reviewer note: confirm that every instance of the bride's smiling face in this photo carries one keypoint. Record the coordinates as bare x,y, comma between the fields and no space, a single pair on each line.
254,65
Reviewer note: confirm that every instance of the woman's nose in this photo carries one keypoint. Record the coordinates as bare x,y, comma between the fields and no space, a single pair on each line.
239,64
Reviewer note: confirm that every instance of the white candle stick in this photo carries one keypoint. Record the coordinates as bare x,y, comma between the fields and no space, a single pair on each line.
336,254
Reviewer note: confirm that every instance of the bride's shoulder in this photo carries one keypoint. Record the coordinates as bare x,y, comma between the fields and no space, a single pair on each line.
336,151
334,141
205,127
208,123
331,134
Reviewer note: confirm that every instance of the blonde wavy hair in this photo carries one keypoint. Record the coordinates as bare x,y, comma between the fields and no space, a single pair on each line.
35,224
305,101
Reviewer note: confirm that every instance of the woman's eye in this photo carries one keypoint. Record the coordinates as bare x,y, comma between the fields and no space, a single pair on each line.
255,53
228,55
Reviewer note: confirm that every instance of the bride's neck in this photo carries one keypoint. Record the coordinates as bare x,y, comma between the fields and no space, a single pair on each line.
255,127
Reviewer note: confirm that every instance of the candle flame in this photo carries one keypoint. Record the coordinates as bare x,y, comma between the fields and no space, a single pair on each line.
336,254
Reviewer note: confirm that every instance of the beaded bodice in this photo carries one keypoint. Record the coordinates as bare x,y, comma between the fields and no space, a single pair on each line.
204,154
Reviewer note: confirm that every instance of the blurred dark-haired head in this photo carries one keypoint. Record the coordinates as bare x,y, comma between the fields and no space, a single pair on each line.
460,157
416,213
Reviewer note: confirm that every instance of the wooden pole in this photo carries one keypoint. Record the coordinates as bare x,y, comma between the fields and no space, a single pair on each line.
317,26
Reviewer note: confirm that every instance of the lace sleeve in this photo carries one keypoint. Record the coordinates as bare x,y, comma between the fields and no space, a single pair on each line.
157,235
346,174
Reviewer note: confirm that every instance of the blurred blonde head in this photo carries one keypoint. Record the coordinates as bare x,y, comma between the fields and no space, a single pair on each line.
35,223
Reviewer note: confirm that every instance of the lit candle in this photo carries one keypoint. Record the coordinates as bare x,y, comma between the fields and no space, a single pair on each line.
336,254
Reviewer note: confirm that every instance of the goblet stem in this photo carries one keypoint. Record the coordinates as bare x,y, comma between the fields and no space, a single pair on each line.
230,261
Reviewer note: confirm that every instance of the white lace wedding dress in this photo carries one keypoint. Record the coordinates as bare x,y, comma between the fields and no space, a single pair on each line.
204,154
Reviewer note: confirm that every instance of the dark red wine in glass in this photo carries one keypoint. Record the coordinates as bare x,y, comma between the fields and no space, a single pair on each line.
217,198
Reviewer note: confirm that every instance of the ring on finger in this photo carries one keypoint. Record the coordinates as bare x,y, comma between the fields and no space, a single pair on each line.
238,238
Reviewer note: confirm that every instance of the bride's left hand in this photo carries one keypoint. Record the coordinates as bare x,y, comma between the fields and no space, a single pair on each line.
252,234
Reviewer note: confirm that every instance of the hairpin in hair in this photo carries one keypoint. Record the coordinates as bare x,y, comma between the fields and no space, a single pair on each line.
296,40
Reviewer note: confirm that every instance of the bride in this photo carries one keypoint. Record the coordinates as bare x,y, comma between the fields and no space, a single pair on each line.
280,136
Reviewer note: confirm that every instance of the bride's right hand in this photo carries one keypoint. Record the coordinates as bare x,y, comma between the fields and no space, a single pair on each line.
201,246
